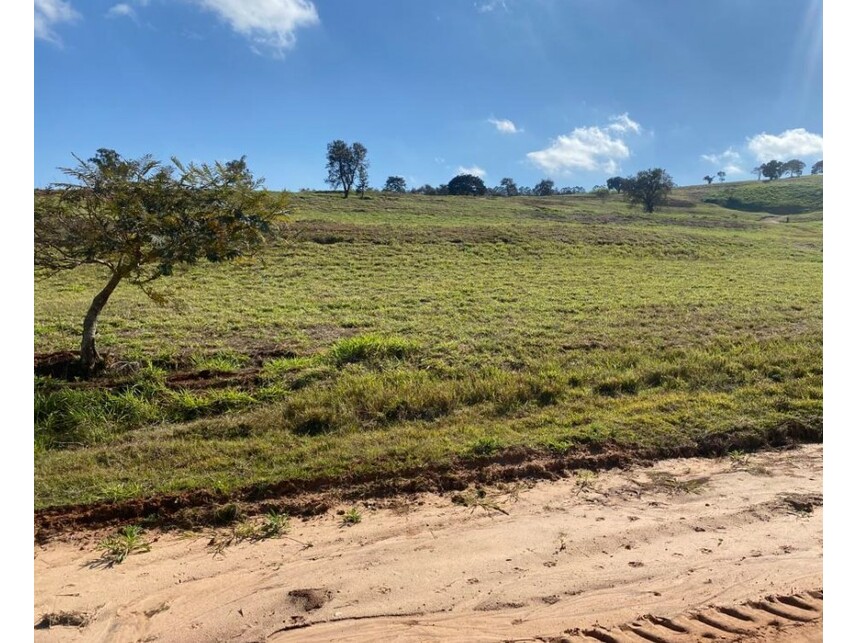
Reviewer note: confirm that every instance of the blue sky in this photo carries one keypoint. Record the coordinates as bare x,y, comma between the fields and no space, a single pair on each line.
573,90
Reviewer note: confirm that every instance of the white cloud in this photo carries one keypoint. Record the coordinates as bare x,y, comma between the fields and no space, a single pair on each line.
269,24
729,161
487,7
622,123
48,14
504,125
587,148
788,145
475,171
123,9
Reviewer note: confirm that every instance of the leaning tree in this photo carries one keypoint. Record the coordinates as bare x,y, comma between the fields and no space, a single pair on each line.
139,219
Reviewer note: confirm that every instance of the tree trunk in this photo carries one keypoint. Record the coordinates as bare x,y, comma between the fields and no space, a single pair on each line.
89,357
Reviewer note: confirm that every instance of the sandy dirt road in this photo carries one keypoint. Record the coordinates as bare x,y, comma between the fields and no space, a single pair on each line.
702,546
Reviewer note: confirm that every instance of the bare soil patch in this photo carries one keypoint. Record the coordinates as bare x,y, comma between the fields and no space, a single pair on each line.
738,557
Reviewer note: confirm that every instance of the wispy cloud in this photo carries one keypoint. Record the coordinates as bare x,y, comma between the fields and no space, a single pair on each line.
729,161
122,10
790,144
269,24
504,125
589,149
490,5
622,124
49,14
474,170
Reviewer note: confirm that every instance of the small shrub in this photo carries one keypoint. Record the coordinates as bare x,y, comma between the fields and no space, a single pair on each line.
117,548
352,517
274,525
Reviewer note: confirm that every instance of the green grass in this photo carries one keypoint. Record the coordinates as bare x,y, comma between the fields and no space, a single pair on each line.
784,196
396,333
128,540
352,517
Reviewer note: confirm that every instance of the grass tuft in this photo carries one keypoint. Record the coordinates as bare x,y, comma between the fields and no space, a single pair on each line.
370,348
117,548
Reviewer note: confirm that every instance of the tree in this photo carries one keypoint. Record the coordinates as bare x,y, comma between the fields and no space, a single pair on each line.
137,220
508,186
545,187
794,167
616,183
362,173
650,188
344,164
758,172
721,175
425,189
817,168
467,184
772,170
708,178
395,184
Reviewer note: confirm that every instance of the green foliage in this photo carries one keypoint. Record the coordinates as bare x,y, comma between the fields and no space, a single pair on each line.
772,170
138,221
274,525
794,167
650,188
545,187
345,164
117,548
352,517
466,184
617,183
395,184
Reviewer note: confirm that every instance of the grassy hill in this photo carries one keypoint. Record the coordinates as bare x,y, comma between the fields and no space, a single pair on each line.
400,334
785,196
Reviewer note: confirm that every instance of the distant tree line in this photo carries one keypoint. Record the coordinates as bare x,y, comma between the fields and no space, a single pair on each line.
347,167
469,184
773,169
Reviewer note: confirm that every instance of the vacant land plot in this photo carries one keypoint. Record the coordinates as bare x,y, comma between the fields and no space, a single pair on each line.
398,335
